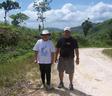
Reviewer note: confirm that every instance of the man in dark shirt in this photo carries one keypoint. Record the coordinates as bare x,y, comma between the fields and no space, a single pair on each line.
66,48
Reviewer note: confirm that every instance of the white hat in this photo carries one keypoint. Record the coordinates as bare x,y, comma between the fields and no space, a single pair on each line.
45,32
67,29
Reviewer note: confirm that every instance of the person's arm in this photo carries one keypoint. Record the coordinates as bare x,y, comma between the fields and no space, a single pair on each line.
35,49
52,58
57,53
58,47
77,55
36,57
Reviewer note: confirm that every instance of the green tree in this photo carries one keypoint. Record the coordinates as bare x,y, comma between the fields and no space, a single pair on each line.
86,25
7,6
18,18
110,34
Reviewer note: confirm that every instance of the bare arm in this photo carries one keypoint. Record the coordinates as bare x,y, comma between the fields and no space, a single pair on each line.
52,58
77,55
36,56
57,53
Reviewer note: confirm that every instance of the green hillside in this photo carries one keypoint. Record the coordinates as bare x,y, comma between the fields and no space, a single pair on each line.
100,35
16,56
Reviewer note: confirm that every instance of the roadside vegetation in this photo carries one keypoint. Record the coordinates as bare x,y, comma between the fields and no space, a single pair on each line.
108,52
16,56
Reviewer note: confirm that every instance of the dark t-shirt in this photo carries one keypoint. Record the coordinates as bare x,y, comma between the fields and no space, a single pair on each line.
67,46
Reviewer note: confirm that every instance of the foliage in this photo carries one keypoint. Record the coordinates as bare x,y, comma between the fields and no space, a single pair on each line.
8,37
55,36
18,18
108,52
7,6
16,60
110,34
99,35
86,25
82,41
13,38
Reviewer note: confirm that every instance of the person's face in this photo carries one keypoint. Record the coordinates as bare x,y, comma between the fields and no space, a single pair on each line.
66,34
45,37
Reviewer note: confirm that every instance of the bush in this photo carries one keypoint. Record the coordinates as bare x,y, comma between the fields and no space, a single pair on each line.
83,42
8,38
108,52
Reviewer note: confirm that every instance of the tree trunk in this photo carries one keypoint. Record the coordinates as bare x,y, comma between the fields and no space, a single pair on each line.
42,24
42,21
5,18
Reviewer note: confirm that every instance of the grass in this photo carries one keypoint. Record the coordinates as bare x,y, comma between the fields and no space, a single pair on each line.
15,69
108,52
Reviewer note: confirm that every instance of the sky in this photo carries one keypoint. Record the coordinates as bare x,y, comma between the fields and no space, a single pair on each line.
65,12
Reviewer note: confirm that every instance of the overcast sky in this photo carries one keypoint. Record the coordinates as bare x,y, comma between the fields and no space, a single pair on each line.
66,12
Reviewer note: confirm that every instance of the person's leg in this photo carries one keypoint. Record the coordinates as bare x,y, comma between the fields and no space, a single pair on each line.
70,71
48,73
48,76
61,75
71,81
61,72
42,72
71,78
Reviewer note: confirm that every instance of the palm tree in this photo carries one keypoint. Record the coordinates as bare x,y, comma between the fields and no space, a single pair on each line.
7,6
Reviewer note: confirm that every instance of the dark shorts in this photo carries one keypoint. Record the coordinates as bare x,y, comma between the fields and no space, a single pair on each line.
66,64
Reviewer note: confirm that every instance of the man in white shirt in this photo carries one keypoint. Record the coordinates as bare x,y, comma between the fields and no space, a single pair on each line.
44,56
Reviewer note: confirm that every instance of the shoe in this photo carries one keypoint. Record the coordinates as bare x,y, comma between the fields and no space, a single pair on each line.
61,85
49,87
71,87
43,86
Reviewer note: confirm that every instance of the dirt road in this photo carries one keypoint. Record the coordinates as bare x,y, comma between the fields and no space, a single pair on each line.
93,77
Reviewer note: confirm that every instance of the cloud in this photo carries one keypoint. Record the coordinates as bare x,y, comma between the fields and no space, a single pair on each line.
69,15
1,15
100,12
30,7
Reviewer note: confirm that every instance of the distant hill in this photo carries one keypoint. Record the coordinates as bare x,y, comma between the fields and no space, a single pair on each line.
99,35
54,29
77,29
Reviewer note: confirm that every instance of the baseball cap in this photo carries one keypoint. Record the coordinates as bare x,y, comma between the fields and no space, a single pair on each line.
67,29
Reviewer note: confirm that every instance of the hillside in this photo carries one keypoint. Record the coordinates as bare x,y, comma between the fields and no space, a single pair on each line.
100,35
54,29
16,57
77,29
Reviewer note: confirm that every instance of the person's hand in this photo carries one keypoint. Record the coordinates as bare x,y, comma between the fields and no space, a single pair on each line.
52,61
77,61
56,60
35,61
